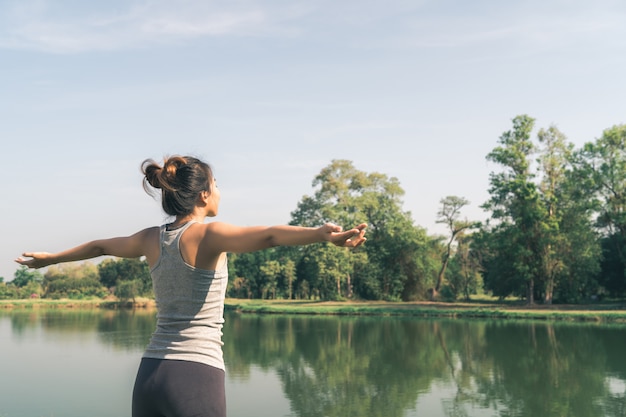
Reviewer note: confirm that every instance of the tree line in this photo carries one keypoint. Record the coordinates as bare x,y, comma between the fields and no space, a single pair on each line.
556,232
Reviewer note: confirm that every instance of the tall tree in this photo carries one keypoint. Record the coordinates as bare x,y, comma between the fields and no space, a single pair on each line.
553,161
395,249
515,204
605,162
448,214
466,268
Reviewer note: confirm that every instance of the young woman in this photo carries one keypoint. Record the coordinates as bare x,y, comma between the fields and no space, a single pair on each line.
182,369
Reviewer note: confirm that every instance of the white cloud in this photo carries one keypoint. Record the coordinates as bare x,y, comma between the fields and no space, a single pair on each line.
50,27
62,27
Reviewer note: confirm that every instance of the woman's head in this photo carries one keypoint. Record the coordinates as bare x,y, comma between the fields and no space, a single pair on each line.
181,179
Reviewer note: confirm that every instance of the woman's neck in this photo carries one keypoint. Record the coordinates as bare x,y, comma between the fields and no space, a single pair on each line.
183,220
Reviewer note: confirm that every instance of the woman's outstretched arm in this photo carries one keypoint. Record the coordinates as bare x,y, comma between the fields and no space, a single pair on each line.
229,238
132,246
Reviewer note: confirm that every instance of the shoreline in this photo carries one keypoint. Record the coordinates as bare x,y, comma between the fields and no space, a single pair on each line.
76,304
592,313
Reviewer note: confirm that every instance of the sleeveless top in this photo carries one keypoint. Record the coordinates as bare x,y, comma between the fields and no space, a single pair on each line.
190,306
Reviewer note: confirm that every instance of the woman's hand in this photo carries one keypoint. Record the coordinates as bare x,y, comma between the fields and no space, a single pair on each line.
37,259
348,239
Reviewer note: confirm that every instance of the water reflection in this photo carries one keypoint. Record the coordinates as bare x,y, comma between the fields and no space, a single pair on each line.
123,329
385,367
334,366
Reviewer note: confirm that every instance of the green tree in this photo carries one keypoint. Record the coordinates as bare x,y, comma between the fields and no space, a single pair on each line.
465,270
337,198
24,276
604,161
516,208
73,280
247,279
397,251
127,290
270,270
113,271
449,214
8,291
540,236
571,253
288,277
553,162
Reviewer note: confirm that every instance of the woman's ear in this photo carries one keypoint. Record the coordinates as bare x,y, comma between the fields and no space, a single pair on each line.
204,196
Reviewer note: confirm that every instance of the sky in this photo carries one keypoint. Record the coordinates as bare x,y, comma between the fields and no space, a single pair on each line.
271,92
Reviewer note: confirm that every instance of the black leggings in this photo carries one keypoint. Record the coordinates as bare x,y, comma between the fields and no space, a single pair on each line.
172,388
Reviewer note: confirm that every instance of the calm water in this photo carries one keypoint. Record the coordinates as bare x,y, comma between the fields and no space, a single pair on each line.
82,364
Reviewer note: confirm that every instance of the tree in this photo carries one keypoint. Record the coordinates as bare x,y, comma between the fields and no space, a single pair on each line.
270,270
127,290
465,270
540,235
288,276
24,276
248,280
516,206
397,251
113,271
553,162
569,250
449,215
604,162
73,280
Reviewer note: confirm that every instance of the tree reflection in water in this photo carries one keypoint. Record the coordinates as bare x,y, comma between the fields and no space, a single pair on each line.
390,366
371,367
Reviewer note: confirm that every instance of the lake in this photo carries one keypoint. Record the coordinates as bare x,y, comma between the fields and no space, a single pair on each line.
79,363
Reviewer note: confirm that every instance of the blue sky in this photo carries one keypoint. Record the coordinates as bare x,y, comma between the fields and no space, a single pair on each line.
270,92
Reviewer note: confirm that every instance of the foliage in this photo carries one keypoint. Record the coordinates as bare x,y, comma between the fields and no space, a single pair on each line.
74,281
516,207
9,292
603,163
112,272
75,288
464,276
449,215
26,283
24,276
556,233
127,290
540,242
394,264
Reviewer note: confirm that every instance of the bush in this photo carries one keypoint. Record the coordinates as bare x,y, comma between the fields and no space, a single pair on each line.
75,288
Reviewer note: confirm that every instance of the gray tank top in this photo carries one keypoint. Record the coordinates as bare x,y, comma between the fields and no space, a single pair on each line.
190,306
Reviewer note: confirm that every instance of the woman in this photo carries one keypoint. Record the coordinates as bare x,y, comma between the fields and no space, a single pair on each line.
182,369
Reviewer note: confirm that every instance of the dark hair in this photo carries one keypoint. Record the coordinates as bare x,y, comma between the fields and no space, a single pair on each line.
181,179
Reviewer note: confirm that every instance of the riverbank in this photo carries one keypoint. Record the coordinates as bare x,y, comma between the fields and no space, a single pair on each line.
604,313
111,304
601,312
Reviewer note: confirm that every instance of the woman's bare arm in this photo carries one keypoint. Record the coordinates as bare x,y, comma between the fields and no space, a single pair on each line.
132,246
224,237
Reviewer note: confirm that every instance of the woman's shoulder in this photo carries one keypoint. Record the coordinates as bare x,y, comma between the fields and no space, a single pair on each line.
150,230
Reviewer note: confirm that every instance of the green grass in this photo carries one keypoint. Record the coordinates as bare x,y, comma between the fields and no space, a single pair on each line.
67,303
609,312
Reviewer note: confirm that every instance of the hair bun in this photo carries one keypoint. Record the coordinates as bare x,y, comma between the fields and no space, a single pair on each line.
152,173
180,179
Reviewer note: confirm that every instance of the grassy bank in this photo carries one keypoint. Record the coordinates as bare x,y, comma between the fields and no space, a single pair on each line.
601,313
66,303
605,313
